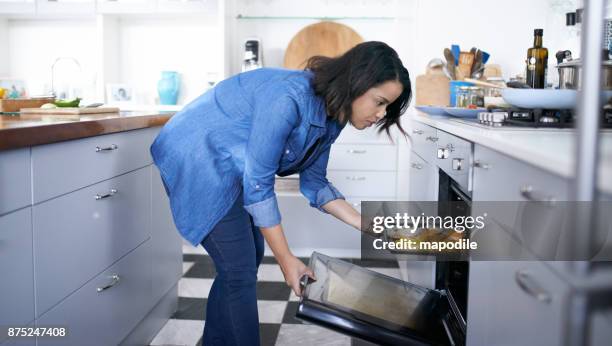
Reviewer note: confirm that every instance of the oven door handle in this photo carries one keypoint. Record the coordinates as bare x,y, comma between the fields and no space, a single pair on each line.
531,287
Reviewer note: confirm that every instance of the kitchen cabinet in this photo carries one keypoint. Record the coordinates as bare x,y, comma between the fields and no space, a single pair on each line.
104,229
66,7
15,178
115,301
423,180
165,240
209,7
308,230
55,166
95,249
17,6
363,166
514,303
499,291
126,6
17,288
424,139
500,178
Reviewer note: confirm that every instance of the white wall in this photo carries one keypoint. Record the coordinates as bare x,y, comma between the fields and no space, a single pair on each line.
33,46
140,47
504,29
191,46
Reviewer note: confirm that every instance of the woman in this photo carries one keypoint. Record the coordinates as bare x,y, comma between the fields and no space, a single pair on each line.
218,158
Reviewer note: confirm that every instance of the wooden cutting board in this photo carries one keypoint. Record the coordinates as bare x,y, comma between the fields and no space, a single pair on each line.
70,110
325,38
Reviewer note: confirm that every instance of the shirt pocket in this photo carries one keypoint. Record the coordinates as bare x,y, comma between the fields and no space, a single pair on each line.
289,155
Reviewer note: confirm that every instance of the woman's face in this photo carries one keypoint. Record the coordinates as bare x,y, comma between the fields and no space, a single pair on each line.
370,107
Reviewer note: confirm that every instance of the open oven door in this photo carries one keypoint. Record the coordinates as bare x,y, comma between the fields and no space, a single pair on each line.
374,307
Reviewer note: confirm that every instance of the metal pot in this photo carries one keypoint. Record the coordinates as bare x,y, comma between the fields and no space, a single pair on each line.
570,74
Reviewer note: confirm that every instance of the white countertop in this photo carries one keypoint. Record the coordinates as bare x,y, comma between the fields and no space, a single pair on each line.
548,149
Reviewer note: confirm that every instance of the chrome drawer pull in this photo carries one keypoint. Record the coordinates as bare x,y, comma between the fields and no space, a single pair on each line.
431,138
417,166
112,192
529,286
112,147
355,151
478,164
356,178
418,132
529,194
115,281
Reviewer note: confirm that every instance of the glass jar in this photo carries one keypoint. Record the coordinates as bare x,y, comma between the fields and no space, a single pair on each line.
470,97
493,92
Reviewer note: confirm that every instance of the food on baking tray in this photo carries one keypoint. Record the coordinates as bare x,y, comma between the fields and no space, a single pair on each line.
425,235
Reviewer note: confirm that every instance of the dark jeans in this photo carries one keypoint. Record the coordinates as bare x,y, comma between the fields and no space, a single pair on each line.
236,247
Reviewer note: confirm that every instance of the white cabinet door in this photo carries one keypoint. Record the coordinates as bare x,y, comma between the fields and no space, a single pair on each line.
423,180
17,6
127,6
209,7
80,7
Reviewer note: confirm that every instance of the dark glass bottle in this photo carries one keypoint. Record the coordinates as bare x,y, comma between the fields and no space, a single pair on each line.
537,62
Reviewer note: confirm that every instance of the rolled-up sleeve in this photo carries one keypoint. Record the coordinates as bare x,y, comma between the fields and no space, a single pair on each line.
275,115
314,184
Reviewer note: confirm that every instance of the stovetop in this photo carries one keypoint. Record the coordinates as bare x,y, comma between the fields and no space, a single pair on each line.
530,119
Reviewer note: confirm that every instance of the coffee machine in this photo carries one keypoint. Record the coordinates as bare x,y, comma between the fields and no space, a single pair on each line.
252,58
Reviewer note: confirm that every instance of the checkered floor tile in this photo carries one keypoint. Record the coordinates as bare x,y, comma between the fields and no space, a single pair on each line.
276,304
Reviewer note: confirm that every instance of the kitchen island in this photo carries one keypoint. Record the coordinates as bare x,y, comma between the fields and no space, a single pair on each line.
87,240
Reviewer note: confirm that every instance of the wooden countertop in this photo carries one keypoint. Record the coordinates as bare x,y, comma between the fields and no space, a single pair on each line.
35,129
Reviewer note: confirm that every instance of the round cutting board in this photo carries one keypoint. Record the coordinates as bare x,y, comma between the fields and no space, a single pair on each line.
325,38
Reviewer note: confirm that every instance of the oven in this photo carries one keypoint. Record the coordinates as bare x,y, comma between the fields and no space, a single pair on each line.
375,308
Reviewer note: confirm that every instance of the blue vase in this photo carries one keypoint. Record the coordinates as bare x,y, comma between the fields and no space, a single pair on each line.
168,87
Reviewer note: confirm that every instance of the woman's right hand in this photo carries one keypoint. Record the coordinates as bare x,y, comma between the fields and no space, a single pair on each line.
293,270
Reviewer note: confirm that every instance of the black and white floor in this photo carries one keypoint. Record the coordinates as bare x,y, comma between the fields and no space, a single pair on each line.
276,303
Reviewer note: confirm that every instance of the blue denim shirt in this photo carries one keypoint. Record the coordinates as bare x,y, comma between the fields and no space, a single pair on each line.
238,136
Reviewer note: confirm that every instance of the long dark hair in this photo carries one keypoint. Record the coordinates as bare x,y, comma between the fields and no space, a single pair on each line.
342,79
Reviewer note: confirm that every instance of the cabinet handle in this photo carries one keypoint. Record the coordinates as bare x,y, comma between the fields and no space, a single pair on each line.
527,191
478,164
111,192
418,132
431,138
115,281
417,166
356,151
356,178
112,147
529,286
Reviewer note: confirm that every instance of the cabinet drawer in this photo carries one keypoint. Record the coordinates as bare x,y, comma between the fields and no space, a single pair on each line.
363,157
63,167
105,317
423,180
16,268
15,188
500,291
500,178
364,183
369,135
424,139
76,235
